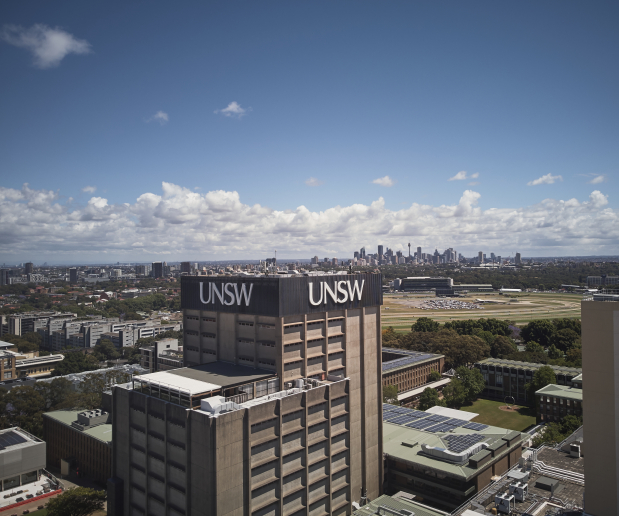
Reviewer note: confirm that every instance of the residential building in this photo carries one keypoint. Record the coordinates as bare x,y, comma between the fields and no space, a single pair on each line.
600,364
410,371
444,460
82,439
28,268
143,270
150,355
510,377
157,270
4,277
27,322
277,412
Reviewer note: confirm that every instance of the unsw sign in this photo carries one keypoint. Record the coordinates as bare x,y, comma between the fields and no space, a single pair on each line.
278,297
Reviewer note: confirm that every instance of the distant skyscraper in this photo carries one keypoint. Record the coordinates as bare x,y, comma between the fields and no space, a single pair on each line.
362,253
4,277
518,260
419,253
480,257
73,276
185,267
157,270
380,251
29,268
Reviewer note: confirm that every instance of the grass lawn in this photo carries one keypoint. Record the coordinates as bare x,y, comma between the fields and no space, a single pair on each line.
489,414
41,512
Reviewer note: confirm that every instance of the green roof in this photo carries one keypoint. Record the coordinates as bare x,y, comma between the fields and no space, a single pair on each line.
66,417
561,391
516,364
397,504
395,435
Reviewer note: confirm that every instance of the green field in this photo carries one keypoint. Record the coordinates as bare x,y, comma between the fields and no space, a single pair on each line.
401,310
489,414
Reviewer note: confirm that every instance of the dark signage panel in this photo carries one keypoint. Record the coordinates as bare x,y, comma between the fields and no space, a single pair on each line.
277,297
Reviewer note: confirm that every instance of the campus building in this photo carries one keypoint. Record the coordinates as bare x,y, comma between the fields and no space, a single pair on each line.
410,372
600,363
22,458
277,412
509,377
443,460
557,401
82,439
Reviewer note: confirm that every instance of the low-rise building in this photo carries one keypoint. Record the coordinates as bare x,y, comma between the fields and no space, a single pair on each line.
36,366
508,378
164,349
400,504
444,460
22,458
409,370
557,401
82,439
7,365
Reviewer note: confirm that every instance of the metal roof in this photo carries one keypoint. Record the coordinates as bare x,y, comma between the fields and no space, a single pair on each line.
66,417
528,365
408,358
561,391
398,504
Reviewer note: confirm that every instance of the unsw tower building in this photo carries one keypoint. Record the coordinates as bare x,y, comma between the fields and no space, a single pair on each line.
278,410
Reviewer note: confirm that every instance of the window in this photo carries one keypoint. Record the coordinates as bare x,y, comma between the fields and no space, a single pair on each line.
8,374
208,335
267,326
192,318
244,323
208,319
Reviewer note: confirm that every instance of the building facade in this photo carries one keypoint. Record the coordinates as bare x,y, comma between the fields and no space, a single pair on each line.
22,458
408,370
83,439
509,377
278,411
557,401
600,364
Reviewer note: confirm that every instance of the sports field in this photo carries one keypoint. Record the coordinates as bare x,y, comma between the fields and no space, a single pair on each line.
490,414
402,310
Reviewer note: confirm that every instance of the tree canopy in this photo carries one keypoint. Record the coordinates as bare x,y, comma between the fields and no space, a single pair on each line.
78,501
390,394
75,362
429,398
425,324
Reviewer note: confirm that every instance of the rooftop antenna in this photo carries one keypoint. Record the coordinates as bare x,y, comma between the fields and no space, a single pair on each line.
275,256
409,249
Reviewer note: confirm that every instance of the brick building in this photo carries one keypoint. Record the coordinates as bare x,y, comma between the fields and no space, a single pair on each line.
409,370
558,401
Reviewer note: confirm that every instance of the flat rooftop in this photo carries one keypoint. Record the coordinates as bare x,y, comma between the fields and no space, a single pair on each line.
398,504
406,359
528,365
208,377
15,438
561,391
66,417
403,441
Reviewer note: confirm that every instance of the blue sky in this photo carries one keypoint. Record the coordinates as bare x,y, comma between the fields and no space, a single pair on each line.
330,94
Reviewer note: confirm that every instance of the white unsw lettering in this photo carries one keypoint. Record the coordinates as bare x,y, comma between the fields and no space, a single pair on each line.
228,294
347,291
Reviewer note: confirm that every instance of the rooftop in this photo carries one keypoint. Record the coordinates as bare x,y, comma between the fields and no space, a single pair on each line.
398,504
207,377
438,442
16,438
67,417
561,391
407,358
528,365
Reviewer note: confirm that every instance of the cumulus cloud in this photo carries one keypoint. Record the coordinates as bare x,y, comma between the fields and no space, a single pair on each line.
312,181
49,46
89,189
160,116
234,110
548,179
597,180
384,181
462,175
177,222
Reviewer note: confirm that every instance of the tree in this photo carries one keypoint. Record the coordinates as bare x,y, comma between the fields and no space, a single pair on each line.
57,394
472,380
454,393
23,407
390,337
539,331
534,347
565,339
425,324
131,355
429,398
390,394
554,433
574,357
554,352
502,347
545,375
94,384
75,362
484,335
105,350
434,376
78,501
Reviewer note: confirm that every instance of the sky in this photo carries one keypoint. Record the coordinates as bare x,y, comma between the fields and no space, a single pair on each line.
139,131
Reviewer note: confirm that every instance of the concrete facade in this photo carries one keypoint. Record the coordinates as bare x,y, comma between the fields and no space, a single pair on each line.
600,364
311,452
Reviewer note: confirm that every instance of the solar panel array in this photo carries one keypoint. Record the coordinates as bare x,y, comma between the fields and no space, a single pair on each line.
425,421
459,443
410,358
10,439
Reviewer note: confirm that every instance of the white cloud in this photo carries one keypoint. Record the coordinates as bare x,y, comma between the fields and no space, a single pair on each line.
384,181
312,181
160,116
548,179
234,110
597,180
473,183
177,222
89,189
49,46
462,175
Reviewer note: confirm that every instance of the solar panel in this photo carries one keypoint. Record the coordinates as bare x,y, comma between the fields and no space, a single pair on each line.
441,427
390,415
10,439
459,443
453,422
437,418
475,426
410,358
